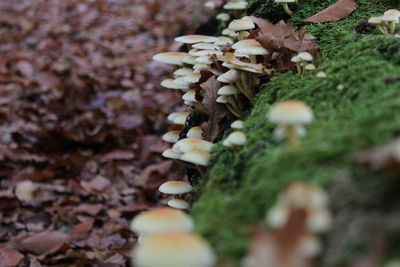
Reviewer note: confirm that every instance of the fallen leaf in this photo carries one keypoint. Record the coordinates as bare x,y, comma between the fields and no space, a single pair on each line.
82,229
216,112
99,183
10,257
91,209
25,68
338,11
46,242
118,155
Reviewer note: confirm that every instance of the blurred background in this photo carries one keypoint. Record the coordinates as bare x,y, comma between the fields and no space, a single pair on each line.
81,113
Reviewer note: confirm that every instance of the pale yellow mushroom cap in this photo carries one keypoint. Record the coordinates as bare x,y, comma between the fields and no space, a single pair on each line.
25,190
228,90
284,1
290,112
173,58
204,59
178,204
182,72
238,124
305,56
223,99
192,39
190,96
296,59
170,84
180,81
162,220
190,60
310,245
197,157
171,137
222,40
195,132
174,250
174,115
375,20
319,220
241,25
192,78
223,17
237,138
208,52
205,46
170,154
175,188
310,67
252,50
235,5
229,76
245,43
392,12
190,144
277,216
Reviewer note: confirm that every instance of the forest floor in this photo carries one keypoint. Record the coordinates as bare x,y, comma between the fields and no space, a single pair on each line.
81,114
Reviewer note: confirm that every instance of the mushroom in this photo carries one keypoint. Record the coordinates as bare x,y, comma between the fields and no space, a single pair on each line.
238,124
171,137
182,72
290,114
178,204
241,26
195,132
236,7
319,220
170,154
198,158
178,117
223,18
25,190
173,58
170,84
223,40
391,17
310,245
321,74
285,5
192,39
161,220
231,92
175,188
173,250
190,144
377,21
277,216
223,99
235,139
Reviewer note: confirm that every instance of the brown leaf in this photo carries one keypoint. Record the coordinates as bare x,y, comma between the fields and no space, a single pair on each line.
215,111
91,209
157,170
118,155
99,183
338,11
279,248
25,68
46,242
82,229
10,257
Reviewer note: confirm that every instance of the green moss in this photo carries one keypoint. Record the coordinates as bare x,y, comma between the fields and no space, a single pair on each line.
243,185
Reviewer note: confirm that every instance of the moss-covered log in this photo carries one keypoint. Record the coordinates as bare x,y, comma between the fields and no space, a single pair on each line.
356,107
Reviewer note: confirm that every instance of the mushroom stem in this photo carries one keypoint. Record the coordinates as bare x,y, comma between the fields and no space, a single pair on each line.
287,9
241,35
242,89
392,27
292,138
232,110
200,170
381,29
298,67
253,59
246,84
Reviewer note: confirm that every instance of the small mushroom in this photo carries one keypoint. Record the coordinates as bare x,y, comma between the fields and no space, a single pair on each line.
190,144
235,139
195,132
241,26
178,204
285,5
193,39
175,188
290,114
238,124
171,137
199,158
173,58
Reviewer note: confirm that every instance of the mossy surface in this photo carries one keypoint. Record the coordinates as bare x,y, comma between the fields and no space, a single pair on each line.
361,114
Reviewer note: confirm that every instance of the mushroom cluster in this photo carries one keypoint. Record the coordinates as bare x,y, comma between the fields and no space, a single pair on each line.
176,188
386,24
303,63
166,238
237,138
313,201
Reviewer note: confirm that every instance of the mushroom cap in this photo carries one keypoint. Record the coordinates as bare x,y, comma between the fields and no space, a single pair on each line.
284,1
310,245
321,74
245,43
171,137
173,250
392,12
173,58
238,124
180,81
205,46
223,99
223,40
195,132
180,119
296,59
190,60
223,17
200,66
310,67
161,220
174,115
235,5
178,204
170,154
249,67
290,112
390,18
182,72
25,190
190,96
192,51
241,25
277,216
229,76
237,138
175,188
229,32
197,157
192,78
204,59
192,39
305,56
252,50
375,20
190,144
208,52
170,84
319,220
228,90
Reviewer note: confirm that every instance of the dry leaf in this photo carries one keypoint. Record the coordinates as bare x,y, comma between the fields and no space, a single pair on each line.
338,11
46,242
10,257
